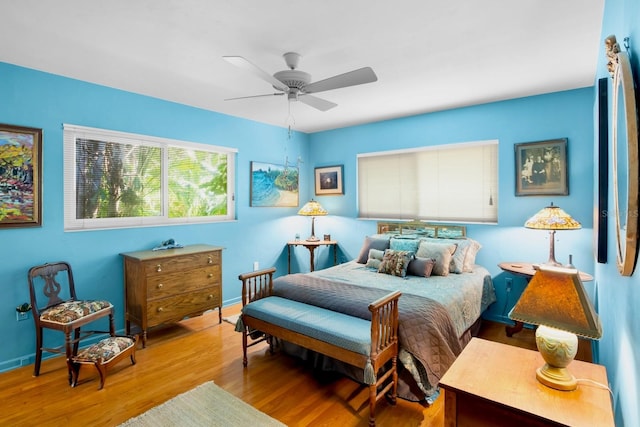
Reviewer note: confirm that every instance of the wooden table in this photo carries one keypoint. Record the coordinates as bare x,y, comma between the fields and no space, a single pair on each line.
312,246
493,384
527,270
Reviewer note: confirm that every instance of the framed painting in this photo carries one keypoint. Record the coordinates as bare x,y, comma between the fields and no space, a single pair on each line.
20,176
541,168
329,180
273,185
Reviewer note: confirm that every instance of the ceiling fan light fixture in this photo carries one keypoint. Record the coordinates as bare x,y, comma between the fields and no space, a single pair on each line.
295,79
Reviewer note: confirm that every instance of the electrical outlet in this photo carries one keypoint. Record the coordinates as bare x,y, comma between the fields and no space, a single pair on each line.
256,266
509,282
22,315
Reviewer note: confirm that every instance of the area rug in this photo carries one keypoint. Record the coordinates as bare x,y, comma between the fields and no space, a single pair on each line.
205,405
231,319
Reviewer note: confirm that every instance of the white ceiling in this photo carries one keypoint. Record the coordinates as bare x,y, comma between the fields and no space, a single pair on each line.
428,55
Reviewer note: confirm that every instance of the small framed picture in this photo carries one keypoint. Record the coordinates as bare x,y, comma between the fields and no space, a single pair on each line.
329,180
541,168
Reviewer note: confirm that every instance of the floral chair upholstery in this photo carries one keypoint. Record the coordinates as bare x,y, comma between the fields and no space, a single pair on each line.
56,306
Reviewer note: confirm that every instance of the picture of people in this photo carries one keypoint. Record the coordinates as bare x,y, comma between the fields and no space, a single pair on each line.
541,168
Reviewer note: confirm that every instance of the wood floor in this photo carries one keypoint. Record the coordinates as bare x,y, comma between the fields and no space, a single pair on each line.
180,357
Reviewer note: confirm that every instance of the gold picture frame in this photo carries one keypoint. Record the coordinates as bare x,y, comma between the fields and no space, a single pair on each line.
20,176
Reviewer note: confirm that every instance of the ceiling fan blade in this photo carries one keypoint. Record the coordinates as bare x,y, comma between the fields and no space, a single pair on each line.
315,102
255,96
247,65
352,78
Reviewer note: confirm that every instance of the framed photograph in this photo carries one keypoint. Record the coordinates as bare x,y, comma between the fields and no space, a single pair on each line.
20,176
329,180
541,168
273,185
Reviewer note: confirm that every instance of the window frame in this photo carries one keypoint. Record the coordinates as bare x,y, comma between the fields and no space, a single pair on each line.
404,184
73,132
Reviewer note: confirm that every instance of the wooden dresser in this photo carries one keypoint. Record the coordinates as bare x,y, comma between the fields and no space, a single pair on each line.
166,286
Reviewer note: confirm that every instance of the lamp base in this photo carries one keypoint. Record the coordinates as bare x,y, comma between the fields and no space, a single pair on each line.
558,348
312,239
557,378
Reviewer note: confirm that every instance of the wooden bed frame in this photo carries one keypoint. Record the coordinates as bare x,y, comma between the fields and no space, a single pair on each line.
384,336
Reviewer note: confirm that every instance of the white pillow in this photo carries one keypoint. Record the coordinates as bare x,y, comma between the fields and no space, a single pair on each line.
441,252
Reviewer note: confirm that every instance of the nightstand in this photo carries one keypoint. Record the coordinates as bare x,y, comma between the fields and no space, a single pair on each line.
312,246
493,384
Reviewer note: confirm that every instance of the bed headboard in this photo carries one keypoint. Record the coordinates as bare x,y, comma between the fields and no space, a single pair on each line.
421,228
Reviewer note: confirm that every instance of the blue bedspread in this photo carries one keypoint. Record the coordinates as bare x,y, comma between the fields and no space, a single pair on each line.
465,296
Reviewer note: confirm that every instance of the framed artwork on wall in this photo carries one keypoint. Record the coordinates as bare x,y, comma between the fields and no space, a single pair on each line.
273,185
20,176
329,180
541,168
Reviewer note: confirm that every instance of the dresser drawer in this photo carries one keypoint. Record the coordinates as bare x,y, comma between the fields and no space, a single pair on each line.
181,263
167,284
175,308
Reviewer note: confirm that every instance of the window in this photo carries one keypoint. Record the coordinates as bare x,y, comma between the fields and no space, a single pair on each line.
455,183
115,179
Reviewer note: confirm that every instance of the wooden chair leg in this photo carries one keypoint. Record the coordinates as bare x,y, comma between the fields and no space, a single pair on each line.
372,404
36,366
75,369
102,370
112,327
245,361
70,351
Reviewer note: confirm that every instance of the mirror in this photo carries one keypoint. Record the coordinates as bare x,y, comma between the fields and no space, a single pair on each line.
625,165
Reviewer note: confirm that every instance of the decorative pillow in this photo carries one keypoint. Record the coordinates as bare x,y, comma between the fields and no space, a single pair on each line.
470,259
403,244
459,256
371,243
441,252
375,258
421,267
395,262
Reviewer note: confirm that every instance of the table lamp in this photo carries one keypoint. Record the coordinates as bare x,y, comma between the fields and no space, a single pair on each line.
555,299
552,218
312,209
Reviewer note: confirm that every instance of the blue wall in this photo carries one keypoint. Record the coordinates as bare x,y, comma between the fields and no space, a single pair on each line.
558,115
619,297
36,99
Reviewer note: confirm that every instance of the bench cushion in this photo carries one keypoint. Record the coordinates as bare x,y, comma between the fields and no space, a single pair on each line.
335,328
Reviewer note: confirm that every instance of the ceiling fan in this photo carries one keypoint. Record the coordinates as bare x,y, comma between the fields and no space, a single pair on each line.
297,84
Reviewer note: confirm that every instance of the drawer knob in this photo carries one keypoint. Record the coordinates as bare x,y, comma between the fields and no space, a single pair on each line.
158,268
160,285
160,309
210,259
210,296
210,275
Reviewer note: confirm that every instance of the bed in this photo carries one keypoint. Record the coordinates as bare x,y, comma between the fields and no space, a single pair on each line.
438,312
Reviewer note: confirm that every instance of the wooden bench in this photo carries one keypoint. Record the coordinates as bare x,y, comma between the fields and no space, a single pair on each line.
102,355
367,344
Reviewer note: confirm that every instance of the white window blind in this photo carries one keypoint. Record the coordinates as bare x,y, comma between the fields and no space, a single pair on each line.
454,182
116,179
